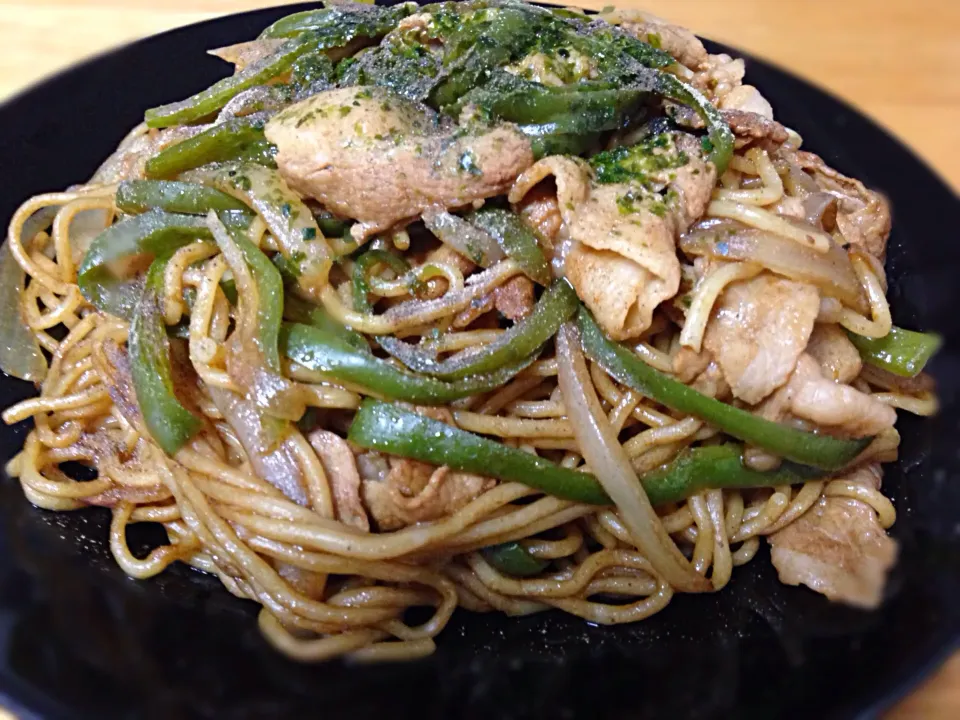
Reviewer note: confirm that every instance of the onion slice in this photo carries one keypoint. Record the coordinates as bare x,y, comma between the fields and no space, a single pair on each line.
832,271
602,450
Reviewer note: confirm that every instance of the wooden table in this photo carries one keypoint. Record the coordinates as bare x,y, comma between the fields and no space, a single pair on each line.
898,60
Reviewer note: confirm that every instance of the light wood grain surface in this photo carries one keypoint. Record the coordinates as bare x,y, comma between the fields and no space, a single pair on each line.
897,60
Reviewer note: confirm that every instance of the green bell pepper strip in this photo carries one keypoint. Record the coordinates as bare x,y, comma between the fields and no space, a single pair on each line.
514,559
169,423
311,73
719,140
361,272
901,352
204,104
289,220
557,304
332,226
152,233
391,429
822,451
223,142
516,240
335,358
396,431
138,196
586,107
337,25
305,313
269,284
544,145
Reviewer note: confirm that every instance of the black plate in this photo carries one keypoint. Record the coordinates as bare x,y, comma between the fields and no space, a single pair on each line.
78,638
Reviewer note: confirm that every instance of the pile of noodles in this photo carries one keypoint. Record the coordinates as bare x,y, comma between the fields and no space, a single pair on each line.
327,589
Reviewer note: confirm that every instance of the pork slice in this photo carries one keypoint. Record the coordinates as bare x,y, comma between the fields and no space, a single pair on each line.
372,155
619,239
839,359
838,407
863,216
757,332
341,470
837,548
413,492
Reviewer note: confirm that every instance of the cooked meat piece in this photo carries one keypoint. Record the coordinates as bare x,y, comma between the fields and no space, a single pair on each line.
839,359
341,470
621,256
676,40
758,330
539,209
514,300
372,155
688,364
415,492
303,581
712,383
748,127
813,397
863,216
837,548
244,54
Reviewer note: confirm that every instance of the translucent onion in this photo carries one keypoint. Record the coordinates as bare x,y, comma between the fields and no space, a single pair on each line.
470,241
831,271
601,449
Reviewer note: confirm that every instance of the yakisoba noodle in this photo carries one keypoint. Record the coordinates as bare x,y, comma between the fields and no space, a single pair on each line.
337,540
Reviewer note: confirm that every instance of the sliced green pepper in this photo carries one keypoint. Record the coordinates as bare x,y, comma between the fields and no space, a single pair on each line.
206,103
226,141
270,290
361,271
137,196
544,145
514,559
305,313
393,430
902,352
516,240
151,233
717,467
719,141
332,226
822,451
335,358
523,340
337,25
583,108
170,424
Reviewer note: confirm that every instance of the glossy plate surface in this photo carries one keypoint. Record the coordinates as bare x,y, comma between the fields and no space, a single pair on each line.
80,639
